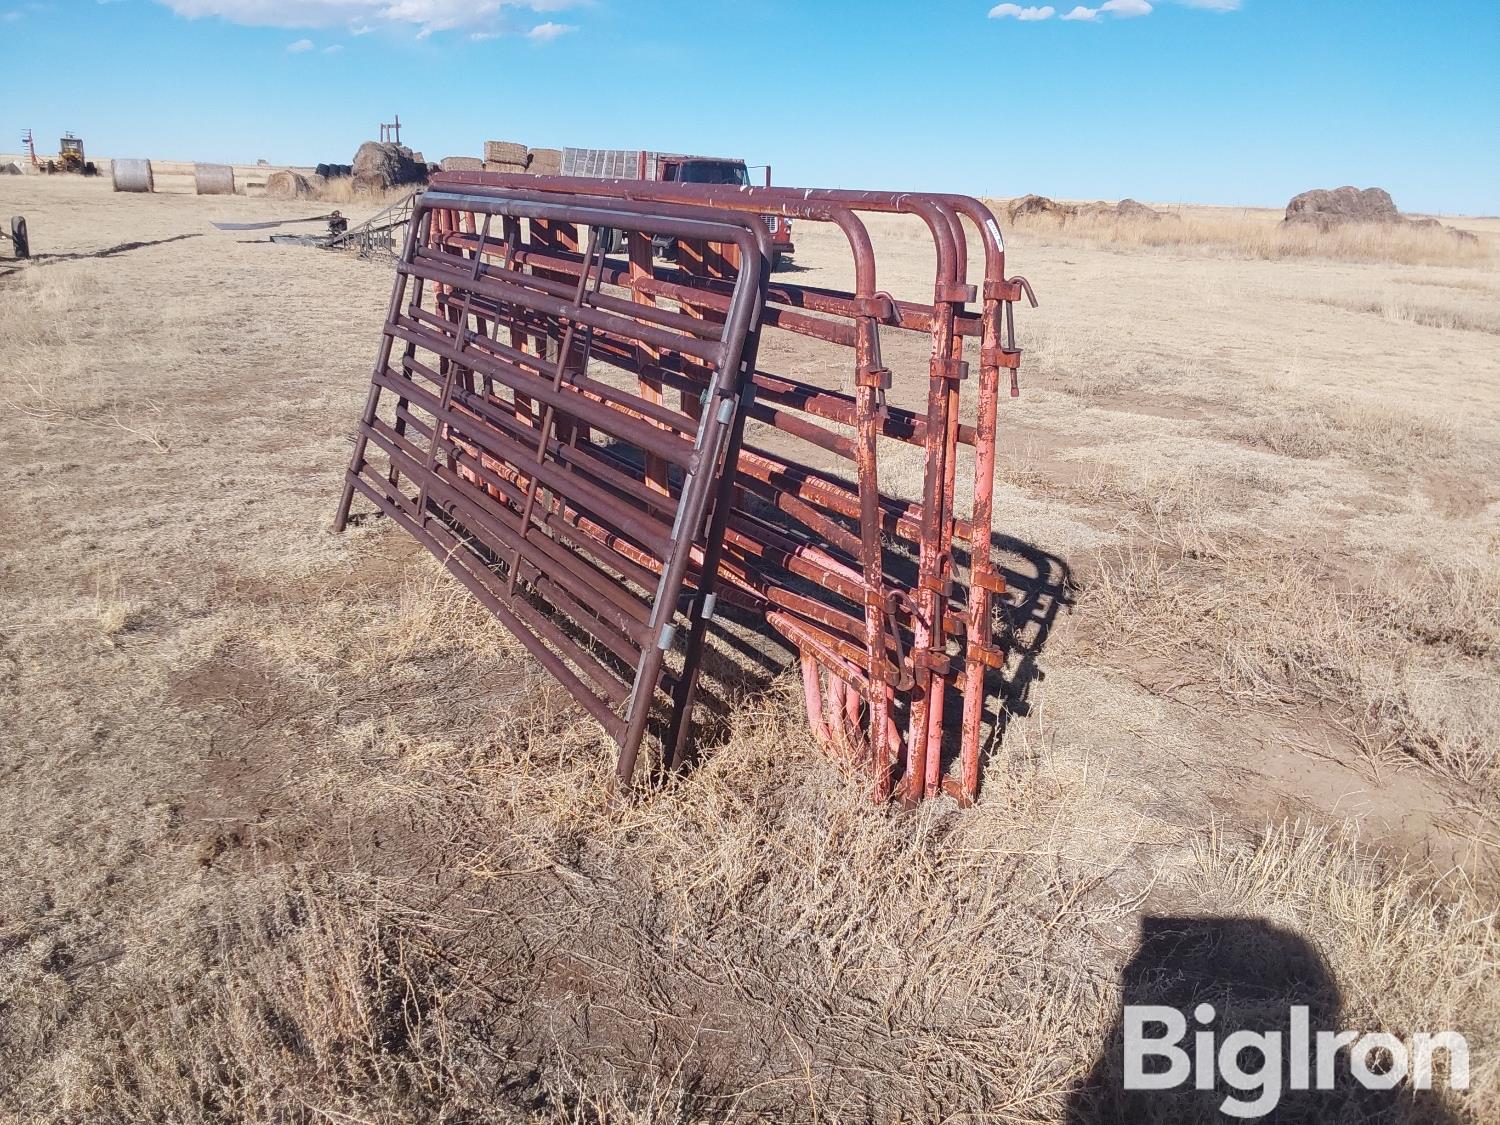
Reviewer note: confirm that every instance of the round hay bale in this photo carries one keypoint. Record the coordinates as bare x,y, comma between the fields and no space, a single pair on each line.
1131,209
396,164
1327,209
213,179
287,184
504,152
132,175
1039,205
371,182
461,164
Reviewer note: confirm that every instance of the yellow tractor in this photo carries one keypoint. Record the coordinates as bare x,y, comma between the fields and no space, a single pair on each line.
70,154
70,158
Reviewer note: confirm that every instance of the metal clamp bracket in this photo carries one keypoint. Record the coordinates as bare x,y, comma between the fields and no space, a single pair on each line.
954,292
991,581
881,306
938,584
947,367
934,660
991,656
1009,358
1013,289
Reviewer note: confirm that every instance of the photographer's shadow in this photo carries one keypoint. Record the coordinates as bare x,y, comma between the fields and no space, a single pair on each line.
1252,974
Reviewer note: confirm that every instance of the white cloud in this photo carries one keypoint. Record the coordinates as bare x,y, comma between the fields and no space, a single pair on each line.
333,49
300,46
546,32
363,16
1016,12
1119,9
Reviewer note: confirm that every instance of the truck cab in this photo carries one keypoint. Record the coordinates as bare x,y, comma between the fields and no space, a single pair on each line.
704,170
645,164
733,173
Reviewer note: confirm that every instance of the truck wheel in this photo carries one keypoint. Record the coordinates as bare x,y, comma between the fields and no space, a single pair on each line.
18,236
776,260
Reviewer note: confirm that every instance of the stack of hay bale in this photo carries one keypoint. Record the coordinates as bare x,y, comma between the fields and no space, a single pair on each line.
505,156
461,164
544,162
510,156
379,166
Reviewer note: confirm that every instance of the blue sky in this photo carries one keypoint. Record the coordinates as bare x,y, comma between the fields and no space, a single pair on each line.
1213,101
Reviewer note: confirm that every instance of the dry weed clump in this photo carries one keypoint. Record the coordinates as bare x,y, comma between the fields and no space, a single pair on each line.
1409,952
65,358
1080,363
1396,309
1408,664
340,189
1388,951
114,614
1468,615
1261,236
1365,432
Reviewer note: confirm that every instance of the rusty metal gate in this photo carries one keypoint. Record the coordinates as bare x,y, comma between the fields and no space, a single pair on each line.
489,435
889,599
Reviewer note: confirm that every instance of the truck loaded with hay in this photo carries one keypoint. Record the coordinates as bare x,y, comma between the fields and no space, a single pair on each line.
513,158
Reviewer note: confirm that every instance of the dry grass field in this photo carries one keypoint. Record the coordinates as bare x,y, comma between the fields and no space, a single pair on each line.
294,832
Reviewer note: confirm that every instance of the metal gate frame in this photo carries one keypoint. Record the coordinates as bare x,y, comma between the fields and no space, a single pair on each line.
944,609
526,428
